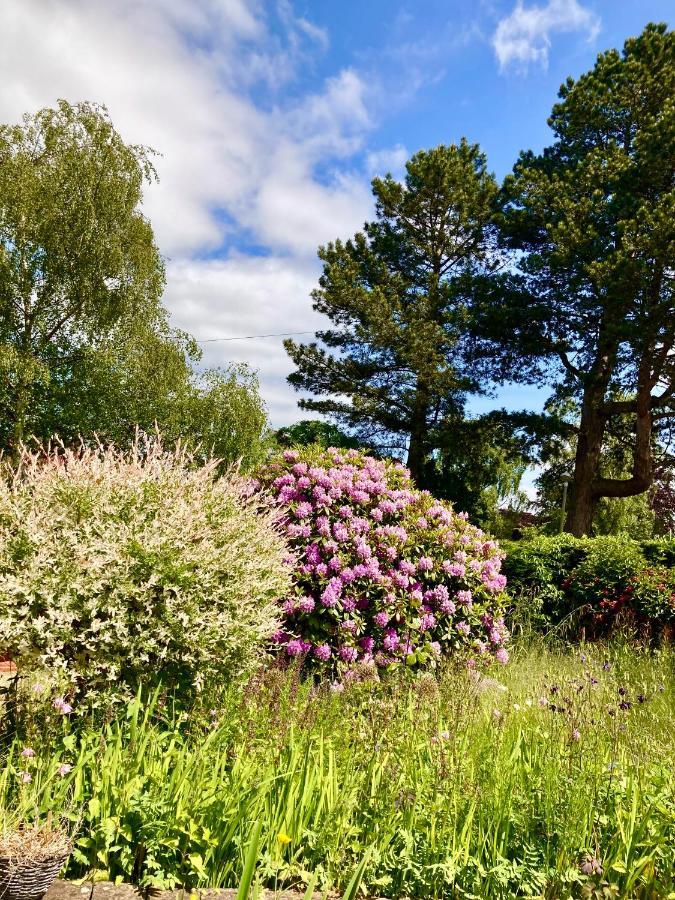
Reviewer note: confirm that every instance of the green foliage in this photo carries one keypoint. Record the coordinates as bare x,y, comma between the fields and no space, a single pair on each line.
479,468
121,569
593,583
76,254
314,431
223,414
590,308
396,296
660,552
437,788
653,594
608,564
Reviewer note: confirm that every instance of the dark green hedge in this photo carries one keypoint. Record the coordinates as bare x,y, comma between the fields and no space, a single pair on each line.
591,584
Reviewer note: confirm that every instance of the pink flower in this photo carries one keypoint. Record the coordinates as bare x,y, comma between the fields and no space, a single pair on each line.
28,752
25,777
61,706
502,656
381,619
322,652
425,564
427,621
63,769
465,598
306,604
304,510
348,654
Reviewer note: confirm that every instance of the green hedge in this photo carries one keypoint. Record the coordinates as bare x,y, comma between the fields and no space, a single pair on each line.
592,583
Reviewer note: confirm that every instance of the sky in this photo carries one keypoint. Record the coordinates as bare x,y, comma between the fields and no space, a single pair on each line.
272,117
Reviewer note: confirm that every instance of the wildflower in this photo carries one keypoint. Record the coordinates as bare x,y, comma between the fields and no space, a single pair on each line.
25,777
28,752
543,701
576,734
606,666
502,656
496,714
283,838
61,706
63,770
591,866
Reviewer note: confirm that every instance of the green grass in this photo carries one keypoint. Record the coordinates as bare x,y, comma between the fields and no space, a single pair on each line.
419,788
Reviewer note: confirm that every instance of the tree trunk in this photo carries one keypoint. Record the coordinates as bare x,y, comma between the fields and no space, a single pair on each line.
587,463
20,409
417,446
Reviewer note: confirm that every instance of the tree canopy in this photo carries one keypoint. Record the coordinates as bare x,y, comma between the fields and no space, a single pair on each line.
397,296
76,253
591,226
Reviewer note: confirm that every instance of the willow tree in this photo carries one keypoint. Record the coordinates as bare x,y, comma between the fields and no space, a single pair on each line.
393,366
593,221
76,253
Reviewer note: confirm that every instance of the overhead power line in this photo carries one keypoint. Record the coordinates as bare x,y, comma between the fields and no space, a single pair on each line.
251,337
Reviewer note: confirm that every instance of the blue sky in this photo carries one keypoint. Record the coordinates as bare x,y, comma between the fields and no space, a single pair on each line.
272,116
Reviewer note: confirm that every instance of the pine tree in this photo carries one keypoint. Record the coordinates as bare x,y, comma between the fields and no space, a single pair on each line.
398,296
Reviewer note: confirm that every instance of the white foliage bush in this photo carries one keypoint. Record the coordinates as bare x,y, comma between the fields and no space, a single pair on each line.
121,569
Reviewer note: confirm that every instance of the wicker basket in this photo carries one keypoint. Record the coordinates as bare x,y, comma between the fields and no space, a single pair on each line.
28,879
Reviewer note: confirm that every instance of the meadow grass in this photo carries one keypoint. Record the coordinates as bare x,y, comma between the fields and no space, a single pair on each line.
562,785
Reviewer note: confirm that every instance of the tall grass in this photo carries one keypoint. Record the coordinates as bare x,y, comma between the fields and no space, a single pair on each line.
427,787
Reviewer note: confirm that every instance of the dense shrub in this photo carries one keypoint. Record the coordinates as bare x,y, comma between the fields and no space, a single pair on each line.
652,595
119,569
660,552
591,582
385,573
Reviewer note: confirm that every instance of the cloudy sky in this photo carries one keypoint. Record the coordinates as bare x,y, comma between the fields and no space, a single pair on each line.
271,118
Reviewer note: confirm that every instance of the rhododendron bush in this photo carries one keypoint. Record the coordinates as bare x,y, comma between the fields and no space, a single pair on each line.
384,573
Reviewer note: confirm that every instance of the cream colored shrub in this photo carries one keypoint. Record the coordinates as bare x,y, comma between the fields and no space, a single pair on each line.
120,569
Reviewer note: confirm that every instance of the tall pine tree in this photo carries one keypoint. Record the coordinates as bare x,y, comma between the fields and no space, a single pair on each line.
592,221
398,297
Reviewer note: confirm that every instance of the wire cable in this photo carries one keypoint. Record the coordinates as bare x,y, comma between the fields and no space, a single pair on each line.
251,337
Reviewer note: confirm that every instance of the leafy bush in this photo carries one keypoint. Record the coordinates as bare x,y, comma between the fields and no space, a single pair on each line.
120,569
660,552
385,573
652,594
591,581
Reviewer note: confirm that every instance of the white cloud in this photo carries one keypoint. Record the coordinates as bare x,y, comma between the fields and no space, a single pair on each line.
389,160
177,75
523,37
243,296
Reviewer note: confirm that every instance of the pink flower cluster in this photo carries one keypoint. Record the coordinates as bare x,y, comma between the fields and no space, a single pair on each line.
384,573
